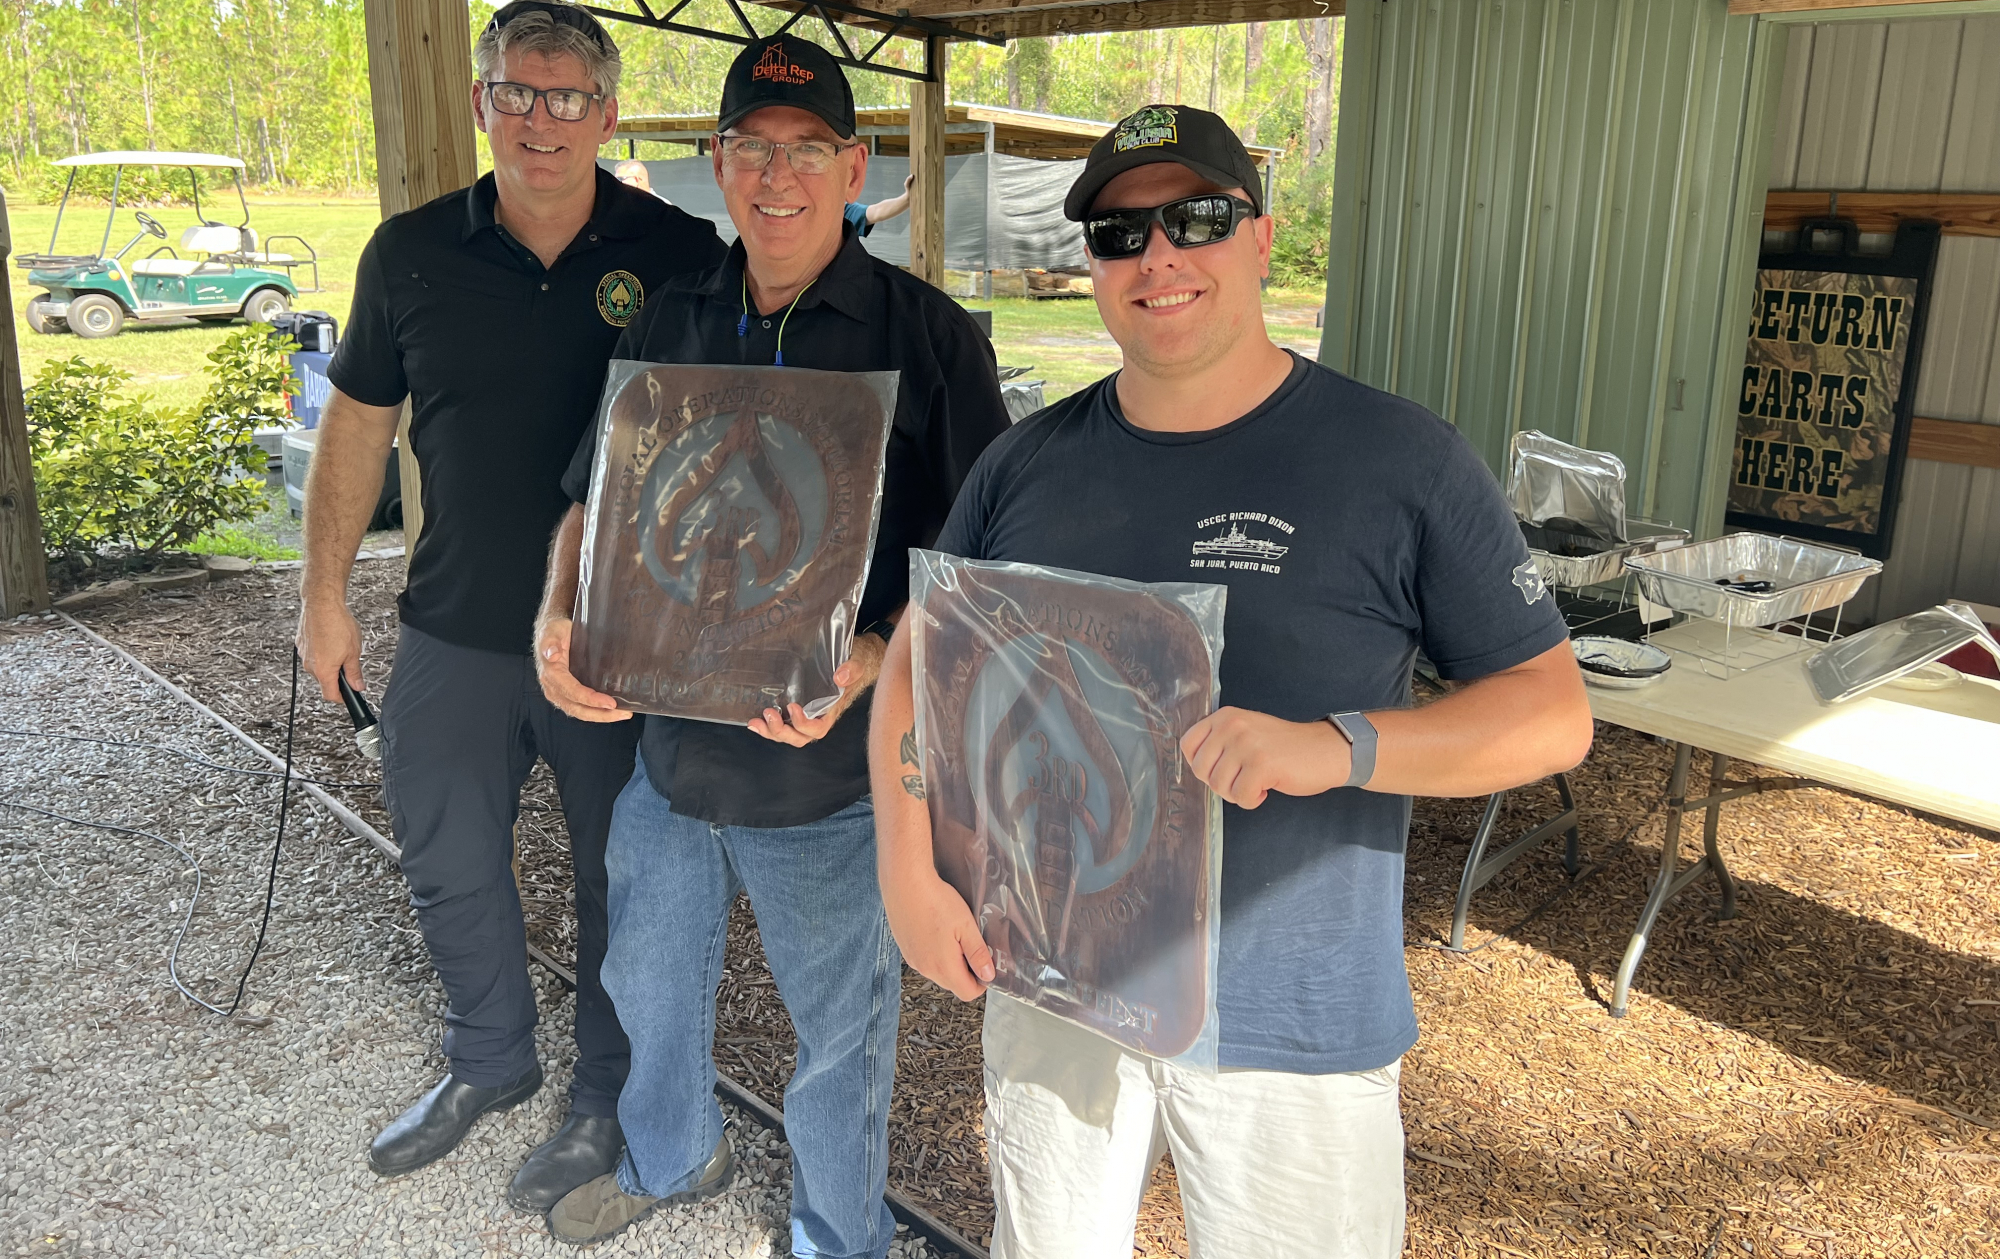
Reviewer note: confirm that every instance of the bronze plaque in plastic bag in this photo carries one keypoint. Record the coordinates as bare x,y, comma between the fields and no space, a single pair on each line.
731,517
1051,707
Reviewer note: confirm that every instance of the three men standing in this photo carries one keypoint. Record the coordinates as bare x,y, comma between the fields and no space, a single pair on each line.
780,809
492,311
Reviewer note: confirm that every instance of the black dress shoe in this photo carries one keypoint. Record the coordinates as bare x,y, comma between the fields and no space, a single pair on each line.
583,1149
432,1128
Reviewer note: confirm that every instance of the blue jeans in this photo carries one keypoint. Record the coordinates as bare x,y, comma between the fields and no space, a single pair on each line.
819,914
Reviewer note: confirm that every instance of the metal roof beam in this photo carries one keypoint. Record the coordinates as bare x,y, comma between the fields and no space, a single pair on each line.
829,12
1027,18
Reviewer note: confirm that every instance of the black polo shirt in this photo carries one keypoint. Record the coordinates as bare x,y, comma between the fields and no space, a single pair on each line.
861,315
502,360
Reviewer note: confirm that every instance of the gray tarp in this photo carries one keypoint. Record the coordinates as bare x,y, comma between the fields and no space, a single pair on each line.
1027,222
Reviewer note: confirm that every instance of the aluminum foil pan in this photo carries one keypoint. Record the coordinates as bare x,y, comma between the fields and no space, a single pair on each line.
1574,560
1751,579
1573,489
1893,649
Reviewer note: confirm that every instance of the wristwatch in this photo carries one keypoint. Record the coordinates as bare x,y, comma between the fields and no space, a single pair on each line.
884,629
1360,735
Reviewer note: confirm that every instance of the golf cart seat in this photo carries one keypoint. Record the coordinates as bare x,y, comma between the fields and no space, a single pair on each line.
213,239
166,266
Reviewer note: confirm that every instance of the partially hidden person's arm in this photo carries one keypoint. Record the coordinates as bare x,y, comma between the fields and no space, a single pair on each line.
1500,731
553,624
931,922
343,485
880,211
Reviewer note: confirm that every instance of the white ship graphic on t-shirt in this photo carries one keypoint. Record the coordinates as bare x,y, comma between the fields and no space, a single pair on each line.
1235,542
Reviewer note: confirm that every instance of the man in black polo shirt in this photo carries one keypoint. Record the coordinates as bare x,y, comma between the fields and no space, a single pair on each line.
780,809
492,310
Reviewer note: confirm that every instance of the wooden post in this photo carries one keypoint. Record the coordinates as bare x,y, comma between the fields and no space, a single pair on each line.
24,568
927,138
420,80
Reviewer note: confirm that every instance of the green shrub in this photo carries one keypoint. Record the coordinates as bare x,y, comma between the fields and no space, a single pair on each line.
116,476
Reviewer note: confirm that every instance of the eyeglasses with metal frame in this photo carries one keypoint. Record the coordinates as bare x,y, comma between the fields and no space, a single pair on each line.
565,104
1188,223
808,157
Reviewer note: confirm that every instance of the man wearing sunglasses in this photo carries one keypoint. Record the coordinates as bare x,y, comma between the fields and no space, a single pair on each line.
492,310
1352,529
778,809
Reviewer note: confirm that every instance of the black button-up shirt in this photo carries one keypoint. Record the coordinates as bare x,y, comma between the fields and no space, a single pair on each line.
860,315
502,360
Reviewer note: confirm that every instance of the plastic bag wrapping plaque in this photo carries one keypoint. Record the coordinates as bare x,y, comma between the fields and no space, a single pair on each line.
1050,707
731,515
1567,487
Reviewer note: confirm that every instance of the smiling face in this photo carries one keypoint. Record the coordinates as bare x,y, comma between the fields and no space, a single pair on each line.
1175,312
790,222
536,156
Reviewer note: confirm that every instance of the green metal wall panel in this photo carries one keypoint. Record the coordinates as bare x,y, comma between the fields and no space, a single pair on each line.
1546,215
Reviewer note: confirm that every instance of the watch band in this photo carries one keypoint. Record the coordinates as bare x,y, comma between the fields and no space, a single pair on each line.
884,629
1359,732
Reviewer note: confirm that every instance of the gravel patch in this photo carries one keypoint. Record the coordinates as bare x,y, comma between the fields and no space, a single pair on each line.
134,1123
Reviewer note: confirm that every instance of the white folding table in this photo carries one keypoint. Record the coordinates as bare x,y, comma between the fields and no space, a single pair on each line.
1933,750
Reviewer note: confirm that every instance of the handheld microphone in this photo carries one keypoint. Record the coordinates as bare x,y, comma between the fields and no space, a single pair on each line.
367,731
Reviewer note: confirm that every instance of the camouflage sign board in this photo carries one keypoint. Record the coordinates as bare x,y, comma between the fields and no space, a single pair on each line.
727,537
1823,407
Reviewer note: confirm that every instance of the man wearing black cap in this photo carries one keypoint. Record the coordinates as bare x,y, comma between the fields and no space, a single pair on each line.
492,310
779,809
1352,529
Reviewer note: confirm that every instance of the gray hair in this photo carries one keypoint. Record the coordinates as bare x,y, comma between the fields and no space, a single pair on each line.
541,35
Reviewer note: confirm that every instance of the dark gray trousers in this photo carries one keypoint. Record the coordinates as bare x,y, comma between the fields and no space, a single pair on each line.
461,729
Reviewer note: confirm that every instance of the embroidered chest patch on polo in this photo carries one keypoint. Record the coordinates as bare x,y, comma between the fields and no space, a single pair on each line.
619,296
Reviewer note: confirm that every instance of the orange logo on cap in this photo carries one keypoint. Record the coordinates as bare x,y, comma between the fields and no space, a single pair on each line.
780,69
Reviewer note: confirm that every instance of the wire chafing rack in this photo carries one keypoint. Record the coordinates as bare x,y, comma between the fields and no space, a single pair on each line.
1764,590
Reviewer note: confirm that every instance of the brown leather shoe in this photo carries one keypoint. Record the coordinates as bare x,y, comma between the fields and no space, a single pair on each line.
599,1210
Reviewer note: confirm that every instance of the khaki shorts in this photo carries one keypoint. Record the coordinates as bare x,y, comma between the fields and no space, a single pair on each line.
1270,1163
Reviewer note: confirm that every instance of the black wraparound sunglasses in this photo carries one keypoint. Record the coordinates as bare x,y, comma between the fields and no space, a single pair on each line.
1202,220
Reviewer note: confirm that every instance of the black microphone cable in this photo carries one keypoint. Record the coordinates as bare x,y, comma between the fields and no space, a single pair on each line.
187,919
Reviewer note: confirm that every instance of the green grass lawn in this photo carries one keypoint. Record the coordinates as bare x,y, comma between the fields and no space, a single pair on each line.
1061,338
166,360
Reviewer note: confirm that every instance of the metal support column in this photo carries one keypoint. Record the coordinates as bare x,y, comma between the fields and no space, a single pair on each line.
992,207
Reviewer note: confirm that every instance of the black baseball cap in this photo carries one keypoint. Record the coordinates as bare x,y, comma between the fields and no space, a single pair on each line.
1194,138
786,70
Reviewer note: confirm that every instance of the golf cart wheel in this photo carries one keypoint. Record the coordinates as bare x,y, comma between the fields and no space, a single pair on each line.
266,305
95,316
40,320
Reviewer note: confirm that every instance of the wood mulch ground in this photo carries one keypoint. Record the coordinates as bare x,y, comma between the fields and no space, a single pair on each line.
1818,1076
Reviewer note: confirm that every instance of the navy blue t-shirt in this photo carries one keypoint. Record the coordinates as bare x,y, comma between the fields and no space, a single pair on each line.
1353,528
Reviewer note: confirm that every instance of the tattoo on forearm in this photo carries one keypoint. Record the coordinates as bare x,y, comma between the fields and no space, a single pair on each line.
909,748
913,785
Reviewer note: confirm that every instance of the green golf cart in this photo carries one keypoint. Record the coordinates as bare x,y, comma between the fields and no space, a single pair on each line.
215,273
